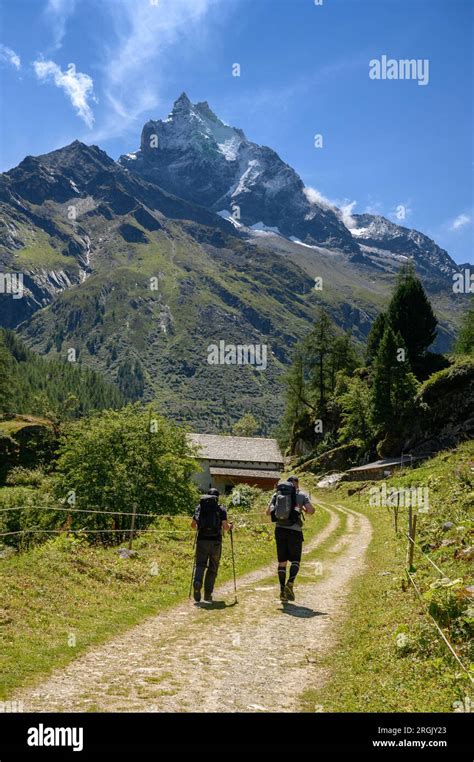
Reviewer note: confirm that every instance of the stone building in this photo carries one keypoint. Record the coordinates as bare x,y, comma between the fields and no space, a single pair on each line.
227,460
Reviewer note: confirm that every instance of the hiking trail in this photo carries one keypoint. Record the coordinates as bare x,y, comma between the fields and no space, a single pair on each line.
194,658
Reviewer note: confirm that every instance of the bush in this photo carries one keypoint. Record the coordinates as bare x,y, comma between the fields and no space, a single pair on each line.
457,375
25,477
23,508
243,497
117,459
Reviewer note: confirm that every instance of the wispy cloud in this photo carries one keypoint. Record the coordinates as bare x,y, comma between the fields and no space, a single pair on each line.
343,209
460,221
79,87
373,207
144,32
7,55
57,13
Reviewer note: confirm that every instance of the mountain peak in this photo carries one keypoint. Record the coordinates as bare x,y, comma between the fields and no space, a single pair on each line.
181,103
194,155
204,109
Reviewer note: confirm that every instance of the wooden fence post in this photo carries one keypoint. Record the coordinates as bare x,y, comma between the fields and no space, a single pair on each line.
411,537
395,513
132,526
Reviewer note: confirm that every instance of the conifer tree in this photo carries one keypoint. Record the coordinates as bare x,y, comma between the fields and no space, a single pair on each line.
375,336
394,385
318,347
465,341
6,378
410,314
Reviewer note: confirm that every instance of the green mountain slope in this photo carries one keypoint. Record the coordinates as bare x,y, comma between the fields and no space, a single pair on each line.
139,283
31,384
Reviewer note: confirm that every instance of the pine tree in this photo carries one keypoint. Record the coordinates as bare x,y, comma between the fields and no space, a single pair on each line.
34,384
410,313
356,412
375,336
465,341
130,379
394,385
6,378
343,357
318,347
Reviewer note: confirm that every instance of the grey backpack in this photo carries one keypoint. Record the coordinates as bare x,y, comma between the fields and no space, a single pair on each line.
285,502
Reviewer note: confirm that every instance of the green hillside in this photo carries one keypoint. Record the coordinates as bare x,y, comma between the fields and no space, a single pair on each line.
30,384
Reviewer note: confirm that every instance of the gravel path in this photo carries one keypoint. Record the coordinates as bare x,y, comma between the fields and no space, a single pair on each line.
254,656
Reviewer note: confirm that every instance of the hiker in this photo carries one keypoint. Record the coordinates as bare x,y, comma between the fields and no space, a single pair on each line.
287,508
210,519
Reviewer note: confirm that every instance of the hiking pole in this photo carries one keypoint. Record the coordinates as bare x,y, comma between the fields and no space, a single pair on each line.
194,562
233,561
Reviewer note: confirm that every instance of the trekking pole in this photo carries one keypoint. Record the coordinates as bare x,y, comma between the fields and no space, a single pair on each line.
194,562
233,562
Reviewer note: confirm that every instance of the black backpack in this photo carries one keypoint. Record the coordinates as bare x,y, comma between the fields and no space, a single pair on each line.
209,521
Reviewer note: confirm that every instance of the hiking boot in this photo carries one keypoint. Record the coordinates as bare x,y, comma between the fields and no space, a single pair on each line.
207,597
197,594
289,591
283,596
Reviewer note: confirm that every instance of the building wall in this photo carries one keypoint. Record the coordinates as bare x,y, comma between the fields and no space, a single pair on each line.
204,480
224,483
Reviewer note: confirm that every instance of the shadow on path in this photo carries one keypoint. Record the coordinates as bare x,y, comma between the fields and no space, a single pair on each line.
300,611
215,605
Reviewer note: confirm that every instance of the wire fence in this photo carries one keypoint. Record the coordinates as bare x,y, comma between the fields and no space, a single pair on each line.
440,631
410,535
242,514
133,530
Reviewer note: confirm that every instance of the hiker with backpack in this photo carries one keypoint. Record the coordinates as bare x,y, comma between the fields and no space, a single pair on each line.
287,509
210,519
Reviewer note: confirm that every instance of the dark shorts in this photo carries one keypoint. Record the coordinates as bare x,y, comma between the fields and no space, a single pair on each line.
289,544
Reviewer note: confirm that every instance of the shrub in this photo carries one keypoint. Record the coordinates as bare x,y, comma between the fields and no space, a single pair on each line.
25,477
243,497
117,459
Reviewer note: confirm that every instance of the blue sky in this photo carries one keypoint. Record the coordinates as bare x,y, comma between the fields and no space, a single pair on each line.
96,70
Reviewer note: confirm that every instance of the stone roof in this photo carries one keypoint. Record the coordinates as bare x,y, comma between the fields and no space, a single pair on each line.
249,449
247,472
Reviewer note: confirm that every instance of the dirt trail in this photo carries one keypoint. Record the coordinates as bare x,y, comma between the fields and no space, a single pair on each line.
191,658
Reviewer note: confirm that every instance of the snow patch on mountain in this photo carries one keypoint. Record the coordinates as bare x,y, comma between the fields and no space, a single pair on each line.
261,229
226,215
247,179
229,148
359,231
301,243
